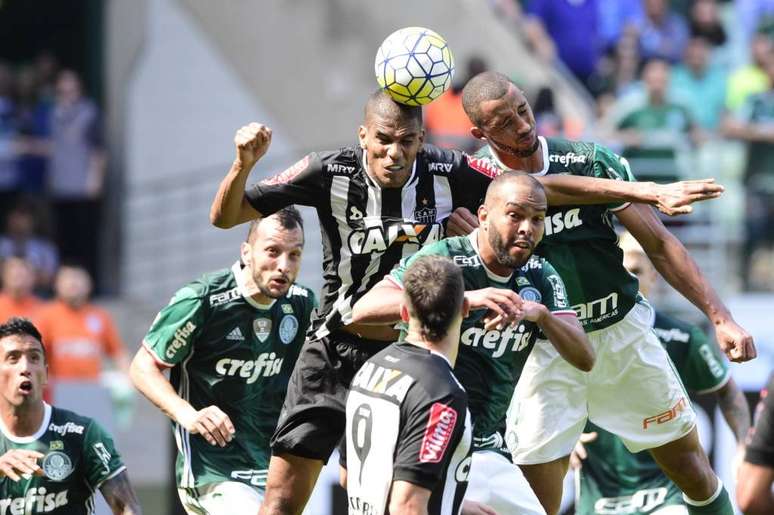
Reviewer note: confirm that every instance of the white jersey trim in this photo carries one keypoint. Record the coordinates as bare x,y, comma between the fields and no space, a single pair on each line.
543,147
35,436
473,237
239,272
111,476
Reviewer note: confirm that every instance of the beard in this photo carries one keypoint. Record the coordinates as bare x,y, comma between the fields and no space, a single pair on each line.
501,251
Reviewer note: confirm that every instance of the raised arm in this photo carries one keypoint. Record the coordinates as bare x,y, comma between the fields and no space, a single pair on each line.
671,199
120,496
210,422
673,262
230,206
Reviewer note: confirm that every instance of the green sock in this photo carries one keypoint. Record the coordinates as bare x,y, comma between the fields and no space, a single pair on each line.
718,504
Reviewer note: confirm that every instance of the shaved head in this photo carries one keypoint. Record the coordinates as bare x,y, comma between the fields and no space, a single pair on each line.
381,105
502,185
481,88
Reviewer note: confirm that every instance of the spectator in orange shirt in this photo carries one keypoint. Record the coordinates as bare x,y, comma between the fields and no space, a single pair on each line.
78,334
16,298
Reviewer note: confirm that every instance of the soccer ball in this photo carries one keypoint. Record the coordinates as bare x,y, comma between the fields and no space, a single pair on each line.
414,65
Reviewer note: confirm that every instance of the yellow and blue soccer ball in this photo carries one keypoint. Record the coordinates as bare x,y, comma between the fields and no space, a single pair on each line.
414,65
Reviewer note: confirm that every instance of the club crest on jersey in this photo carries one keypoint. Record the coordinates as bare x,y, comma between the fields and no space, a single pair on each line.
57,466
262,328
425,215
288,328
530,293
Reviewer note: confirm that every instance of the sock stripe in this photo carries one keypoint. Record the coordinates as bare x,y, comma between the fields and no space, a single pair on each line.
714,496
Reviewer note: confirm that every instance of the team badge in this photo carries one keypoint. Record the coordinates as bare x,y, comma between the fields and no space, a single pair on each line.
262,328
287,309
57,466
424,214
530,293
288,329
522,281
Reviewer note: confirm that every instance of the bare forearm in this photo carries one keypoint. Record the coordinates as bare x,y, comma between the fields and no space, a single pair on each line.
120,496
228,209
570,189
735,410
679,269
567,336
150,381
380,306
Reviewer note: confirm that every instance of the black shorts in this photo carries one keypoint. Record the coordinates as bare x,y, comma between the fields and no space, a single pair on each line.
313,416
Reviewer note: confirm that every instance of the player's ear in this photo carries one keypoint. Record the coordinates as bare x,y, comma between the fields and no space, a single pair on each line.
421,137
482,215
476,133
244,253
404,314
362,132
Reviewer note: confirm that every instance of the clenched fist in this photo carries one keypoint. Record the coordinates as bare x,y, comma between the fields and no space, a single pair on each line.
252,141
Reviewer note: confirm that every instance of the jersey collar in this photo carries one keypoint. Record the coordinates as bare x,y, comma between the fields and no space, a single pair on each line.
239,274
29,439
544,149
473,237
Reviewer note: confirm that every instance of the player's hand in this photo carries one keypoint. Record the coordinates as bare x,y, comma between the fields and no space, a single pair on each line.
504,306
533,311
211,423
476,508
461,222
735,341
579,453
252,141
676,198
18,463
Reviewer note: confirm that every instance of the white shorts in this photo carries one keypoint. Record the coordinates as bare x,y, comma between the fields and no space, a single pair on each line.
224,498
500,484
633,391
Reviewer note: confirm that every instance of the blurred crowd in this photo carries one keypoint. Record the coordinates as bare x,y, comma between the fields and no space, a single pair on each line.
52,168
683,89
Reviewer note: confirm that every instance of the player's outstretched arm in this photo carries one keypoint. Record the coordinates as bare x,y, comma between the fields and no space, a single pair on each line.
671,199
230,206
120,496
380,306
673,262
564,332
408,499
210,422
735,409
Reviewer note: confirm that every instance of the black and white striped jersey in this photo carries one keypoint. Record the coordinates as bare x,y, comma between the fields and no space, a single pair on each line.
407,420
365,229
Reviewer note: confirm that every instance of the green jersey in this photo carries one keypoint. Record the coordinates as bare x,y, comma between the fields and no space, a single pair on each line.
79,457
580,241
612,479
490,362
227,350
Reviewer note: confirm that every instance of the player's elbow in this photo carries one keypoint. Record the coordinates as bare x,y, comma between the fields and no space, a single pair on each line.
586,359
219,220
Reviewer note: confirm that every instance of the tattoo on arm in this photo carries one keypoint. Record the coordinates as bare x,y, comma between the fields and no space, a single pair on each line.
120,496
735,409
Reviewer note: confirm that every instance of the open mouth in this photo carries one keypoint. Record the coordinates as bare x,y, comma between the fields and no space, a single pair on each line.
523,244
394,168
26,387
279,282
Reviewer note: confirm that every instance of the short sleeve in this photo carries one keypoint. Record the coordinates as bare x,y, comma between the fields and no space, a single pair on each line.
429,435
707,369
760,440
436,249
101,460
172,333
554,293
300,184
609,165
